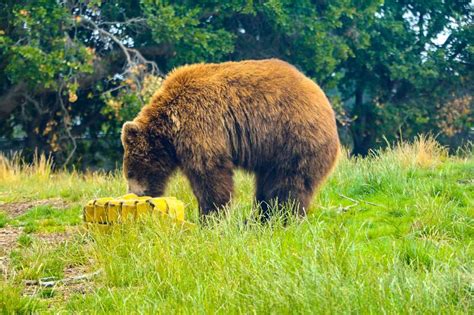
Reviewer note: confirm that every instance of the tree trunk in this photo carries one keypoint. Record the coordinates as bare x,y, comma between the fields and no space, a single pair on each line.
361,130
11,99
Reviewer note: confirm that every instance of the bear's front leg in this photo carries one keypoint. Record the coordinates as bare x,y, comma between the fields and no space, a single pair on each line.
213,187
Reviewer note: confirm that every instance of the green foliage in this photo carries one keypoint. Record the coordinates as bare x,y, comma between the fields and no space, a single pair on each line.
392,69
182,26
407,79
39,50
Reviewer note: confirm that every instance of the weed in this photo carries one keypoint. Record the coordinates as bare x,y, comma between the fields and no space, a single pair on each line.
25,240
3,219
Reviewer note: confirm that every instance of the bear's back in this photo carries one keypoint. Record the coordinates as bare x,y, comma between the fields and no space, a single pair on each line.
262,82
248,73
254,108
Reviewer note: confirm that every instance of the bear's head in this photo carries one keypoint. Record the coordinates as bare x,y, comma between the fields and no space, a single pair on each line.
147,162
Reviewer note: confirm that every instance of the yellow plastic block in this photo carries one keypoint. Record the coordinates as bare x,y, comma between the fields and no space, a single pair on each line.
131,207
170,206
100,227
88,213
128,210
143,208
114,210
129,196
100,205
159,205
175,209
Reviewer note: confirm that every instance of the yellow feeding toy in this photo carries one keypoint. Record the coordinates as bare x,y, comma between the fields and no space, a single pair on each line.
130,207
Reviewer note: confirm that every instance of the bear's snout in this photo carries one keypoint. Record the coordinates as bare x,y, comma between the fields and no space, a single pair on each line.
135,187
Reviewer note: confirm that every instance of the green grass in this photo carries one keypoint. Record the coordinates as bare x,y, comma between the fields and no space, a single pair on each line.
3,219
48,219
391,233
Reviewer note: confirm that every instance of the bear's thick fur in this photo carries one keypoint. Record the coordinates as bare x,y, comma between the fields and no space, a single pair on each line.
207,119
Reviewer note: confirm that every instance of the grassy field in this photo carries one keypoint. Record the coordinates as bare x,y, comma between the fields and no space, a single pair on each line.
391,233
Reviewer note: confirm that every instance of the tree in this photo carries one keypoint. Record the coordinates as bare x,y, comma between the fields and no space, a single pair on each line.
78,69
404,80
57,62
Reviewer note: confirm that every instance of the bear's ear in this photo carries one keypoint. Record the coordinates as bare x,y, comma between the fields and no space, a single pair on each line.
131,134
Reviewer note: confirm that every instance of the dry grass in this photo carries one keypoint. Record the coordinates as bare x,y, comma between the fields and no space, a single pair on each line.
424,152
13,168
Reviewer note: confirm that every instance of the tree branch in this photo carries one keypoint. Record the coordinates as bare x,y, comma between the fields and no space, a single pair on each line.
67,126
133,56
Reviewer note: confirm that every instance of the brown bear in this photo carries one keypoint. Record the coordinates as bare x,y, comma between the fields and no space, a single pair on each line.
207,119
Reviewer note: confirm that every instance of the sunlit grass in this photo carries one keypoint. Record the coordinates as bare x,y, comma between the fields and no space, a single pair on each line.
47,218
390,233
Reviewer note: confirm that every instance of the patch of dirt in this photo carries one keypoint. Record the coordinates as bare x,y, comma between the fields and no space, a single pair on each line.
77,280
55,238
8,241
466,181
8,237
15,209
80,286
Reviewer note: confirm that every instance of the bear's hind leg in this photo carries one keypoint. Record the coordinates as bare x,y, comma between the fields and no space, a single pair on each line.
291,192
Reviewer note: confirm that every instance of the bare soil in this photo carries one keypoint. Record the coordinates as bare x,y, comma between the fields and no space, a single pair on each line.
9,241
15,209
